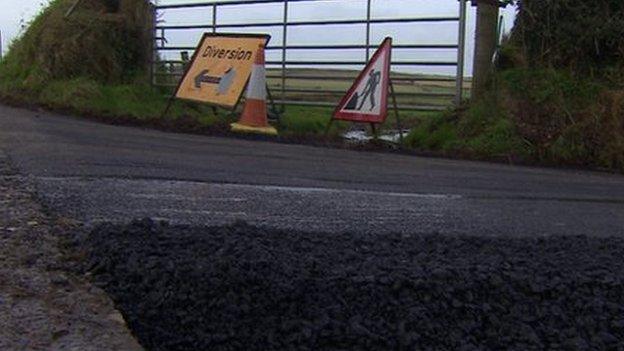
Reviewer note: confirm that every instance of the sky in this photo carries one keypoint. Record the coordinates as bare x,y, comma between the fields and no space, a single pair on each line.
16,13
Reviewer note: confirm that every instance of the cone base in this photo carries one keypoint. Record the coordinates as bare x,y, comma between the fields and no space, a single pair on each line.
241,128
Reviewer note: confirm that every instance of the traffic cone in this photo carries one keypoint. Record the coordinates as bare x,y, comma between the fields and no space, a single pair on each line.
254,117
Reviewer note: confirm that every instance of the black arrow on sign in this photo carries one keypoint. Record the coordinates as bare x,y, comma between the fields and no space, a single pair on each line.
203,77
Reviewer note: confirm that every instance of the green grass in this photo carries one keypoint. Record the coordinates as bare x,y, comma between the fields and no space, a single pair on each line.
311,120
483,130
85,96
541,116
143,103
433,134
306,120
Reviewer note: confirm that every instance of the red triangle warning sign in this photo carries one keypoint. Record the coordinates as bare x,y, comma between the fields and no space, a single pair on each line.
367,100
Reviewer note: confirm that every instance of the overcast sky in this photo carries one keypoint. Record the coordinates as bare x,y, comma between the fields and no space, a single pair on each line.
15,13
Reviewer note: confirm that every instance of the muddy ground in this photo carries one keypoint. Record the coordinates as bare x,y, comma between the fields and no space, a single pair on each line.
247,288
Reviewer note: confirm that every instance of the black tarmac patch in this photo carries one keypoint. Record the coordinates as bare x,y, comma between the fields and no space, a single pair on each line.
247,288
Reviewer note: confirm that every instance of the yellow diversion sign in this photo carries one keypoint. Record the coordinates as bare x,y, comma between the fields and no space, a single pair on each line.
220,68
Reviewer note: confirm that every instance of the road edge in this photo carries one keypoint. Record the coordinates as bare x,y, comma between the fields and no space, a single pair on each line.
44,303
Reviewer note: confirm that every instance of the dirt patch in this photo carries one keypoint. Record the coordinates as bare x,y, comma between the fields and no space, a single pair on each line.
42,305
242,288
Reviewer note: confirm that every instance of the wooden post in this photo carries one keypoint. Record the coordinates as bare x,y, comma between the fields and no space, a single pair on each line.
485,45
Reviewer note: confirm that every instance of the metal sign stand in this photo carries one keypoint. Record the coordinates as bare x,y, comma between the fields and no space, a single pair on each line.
396,112
374,131
232,113
274,108
169,103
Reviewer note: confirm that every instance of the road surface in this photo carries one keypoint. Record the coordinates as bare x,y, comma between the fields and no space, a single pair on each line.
95,172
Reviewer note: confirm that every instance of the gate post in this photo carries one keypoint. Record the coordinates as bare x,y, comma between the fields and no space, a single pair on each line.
214,18
284,43
368,25
152,55
461,47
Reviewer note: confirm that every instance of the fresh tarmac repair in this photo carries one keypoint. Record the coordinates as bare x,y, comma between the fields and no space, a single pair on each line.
95,172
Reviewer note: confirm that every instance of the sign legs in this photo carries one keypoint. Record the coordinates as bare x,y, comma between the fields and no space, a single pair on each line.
374,130
396,112
169,103
399,125
274,108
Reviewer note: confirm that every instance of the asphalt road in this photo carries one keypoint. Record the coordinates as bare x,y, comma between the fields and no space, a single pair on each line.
95,172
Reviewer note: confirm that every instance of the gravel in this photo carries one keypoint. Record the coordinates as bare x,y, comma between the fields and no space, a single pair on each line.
242,287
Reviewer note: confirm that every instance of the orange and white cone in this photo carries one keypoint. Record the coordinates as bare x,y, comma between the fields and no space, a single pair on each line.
254,117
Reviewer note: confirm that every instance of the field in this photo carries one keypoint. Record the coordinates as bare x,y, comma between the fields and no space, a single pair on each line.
330,85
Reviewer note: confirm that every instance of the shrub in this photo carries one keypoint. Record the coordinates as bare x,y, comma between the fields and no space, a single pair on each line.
584,37
560,81
92,42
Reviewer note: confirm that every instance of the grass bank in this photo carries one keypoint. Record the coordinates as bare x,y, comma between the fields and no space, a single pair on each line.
539,116
141,104
556,96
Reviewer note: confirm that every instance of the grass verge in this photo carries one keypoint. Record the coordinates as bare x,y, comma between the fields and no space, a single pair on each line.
536,116
141,104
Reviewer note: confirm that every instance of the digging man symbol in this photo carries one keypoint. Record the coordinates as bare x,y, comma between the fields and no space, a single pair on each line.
358,101
370,89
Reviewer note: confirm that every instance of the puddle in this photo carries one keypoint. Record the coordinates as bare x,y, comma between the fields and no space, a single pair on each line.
362,136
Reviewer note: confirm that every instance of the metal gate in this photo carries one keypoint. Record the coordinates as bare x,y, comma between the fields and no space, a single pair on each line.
286,77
